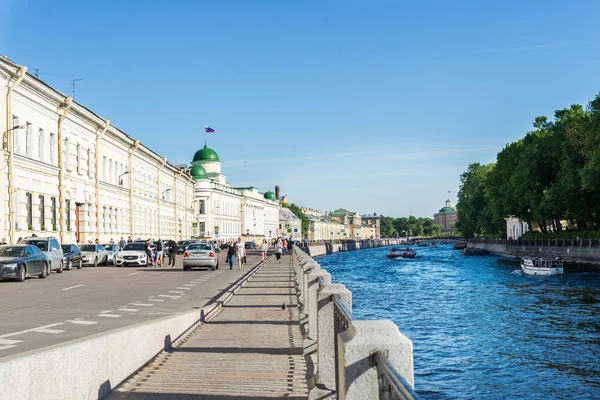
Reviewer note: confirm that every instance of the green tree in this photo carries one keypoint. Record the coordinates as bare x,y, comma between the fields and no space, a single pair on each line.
298,213
387,227
474,209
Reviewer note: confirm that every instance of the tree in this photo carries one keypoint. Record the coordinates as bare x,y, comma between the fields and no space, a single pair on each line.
298,213
387,227
474,209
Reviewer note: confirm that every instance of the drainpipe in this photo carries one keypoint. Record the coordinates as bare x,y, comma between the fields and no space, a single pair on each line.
159,191
21,71
175,203
132,150
63,110
97,159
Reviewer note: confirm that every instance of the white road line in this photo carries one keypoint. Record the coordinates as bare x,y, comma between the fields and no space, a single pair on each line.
176,291
176,297
31,330
72,287
82,322
155,300
183,288
188,284
48,331
133,273
129,309
105,312
9,341
7,347
109,315
165,295
142,304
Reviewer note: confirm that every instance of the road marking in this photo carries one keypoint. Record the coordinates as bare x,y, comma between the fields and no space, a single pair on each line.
82,322
129,309
133,273
9,342
109,315
183,288
31,330
48,331
176,297
176,291
72,287
105,312
142,304
165,295
155,300
7,347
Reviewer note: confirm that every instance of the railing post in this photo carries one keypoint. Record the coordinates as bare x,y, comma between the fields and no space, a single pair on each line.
358,344
326,363
311,305
307,268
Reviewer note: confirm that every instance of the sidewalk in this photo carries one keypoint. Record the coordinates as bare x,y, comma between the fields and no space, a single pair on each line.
251,350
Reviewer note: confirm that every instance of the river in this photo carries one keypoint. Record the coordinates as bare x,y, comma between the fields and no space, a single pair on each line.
480,328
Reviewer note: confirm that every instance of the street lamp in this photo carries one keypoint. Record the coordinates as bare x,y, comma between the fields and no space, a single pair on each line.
4,139
163,193
121,180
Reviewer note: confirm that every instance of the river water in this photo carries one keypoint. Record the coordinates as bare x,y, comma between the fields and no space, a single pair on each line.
480,328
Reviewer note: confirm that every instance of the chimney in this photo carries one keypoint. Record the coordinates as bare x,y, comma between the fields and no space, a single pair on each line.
277,192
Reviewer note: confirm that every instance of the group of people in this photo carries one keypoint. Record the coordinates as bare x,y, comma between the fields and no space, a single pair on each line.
157,253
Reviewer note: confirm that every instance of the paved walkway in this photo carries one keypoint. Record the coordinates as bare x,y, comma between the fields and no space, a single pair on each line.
251,350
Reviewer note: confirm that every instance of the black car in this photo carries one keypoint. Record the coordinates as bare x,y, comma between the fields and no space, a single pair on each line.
182,245
250,245
71,256
20,261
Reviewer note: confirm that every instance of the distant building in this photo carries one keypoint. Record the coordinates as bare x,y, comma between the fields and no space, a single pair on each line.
446,217
515,228
374,222
290,226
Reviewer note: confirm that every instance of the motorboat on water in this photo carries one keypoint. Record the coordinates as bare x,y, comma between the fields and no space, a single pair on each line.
401,253
433,245
542,266
471,251
460,245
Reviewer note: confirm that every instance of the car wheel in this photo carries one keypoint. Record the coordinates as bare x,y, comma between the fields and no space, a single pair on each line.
185,268
95,262
217,267
80,264
22,274
105,263
44,273
60,268
69,265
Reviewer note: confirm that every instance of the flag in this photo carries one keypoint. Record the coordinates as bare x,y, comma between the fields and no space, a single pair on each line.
208,129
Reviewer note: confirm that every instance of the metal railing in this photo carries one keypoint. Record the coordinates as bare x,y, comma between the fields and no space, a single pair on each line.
541,242
392,386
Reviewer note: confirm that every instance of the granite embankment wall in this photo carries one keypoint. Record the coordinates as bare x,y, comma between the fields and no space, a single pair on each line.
583,251
323,248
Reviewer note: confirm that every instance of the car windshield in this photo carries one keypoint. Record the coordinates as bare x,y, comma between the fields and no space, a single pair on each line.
88,247
12,251
199,246
183,242
108,247
66,247
135,246
40,244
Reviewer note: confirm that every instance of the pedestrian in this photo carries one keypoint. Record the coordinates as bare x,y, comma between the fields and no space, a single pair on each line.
278,251
284,247
230,254
129,240
172,253
97,241
263,249
4,241
149,253
122,243
111,241
159,252
240,252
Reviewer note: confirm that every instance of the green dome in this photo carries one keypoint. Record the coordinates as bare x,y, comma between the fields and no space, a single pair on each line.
447,209
198,172
270,196
206,154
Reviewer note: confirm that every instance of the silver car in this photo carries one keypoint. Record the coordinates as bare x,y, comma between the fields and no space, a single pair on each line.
200,255
112,250
50,247
93,254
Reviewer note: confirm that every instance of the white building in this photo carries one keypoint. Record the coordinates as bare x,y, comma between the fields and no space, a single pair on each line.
515,228
290,226
69,173
226,213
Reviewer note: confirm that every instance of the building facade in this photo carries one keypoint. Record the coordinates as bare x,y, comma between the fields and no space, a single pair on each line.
72,174
446,217
290,226
373,221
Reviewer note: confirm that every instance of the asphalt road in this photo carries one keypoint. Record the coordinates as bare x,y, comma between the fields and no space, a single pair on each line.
78,303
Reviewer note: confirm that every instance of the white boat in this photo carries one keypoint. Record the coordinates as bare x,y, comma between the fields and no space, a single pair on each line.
542,266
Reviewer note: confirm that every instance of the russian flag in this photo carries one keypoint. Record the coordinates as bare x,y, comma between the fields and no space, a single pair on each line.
208,129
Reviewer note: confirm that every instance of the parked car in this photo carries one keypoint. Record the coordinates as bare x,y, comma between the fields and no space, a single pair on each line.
250,245
71,256
112,249
132,254
50,247
200,255
20,261
93,254
182,245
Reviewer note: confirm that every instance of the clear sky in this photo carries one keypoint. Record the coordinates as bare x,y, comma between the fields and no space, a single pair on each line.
375,106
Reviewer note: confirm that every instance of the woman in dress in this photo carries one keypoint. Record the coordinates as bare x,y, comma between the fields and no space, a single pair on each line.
263,249
240,252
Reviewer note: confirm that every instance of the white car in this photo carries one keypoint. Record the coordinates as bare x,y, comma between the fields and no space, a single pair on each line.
112,249
132,254
51,249
93,254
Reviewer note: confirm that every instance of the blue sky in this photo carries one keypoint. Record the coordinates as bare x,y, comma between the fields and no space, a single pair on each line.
373,106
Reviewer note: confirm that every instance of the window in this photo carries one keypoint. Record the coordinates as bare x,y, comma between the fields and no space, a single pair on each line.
68,213
29,211
104,219
42,213
41,145
78,158
53,212
66,160
202,227
16,147
52,148
104,169
28,139
110,171
89,162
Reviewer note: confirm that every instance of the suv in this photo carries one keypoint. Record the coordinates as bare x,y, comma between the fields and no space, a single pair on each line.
51,249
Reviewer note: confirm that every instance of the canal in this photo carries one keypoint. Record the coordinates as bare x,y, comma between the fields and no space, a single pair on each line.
480,328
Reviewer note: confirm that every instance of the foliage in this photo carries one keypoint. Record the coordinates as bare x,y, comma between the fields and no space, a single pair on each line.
549,177
298,213
387,227
415,226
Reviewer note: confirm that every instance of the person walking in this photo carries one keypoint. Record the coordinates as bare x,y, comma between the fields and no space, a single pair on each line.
122,243
149,253
159,252
263,249
129,239
111,241
278,250
172,253
240,253
231,254
284,247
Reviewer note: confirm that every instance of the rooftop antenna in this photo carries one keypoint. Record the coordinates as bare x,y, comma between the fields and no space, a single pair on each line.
73,84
